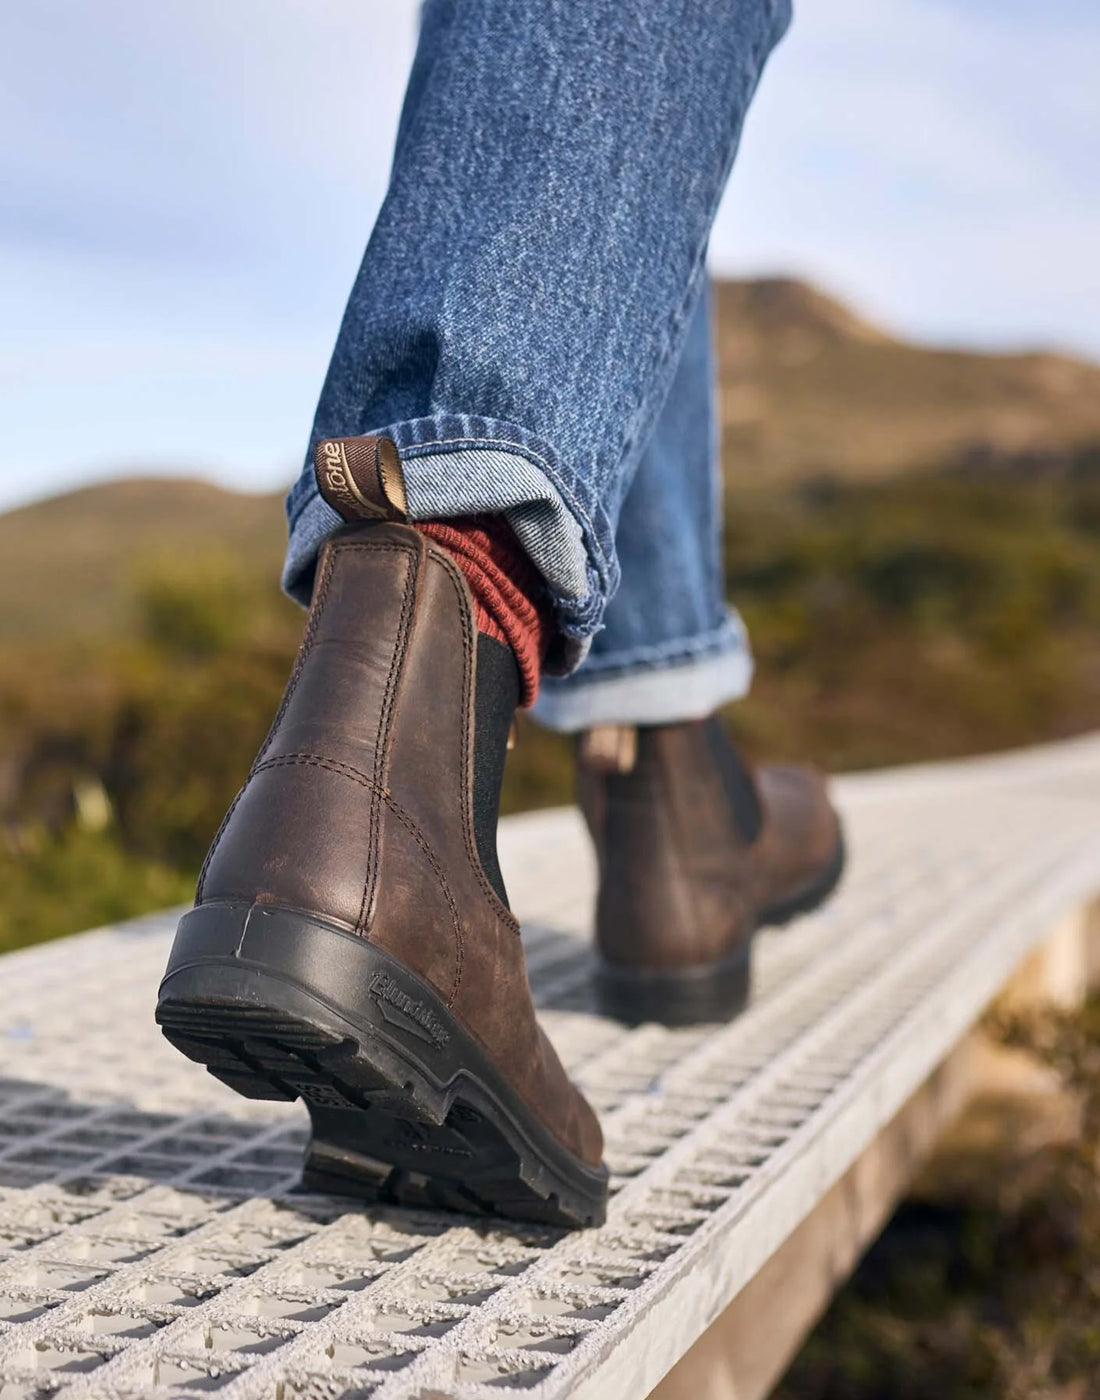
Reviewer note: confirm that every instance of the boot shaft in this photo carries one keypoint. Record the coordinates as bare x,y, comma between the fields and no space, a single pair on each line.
673,827
351,779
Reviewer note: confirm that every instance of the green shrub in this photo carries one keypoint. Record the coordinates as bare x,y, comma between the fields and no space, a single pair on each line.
79,879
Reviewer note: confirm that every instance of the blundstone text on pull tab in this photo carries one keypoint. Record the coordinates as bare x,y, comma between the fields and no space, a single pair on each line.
337,478
361,478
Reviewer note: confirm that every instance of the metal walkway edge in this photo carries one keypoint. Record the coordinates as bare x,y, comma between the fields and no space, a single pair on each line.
150,1246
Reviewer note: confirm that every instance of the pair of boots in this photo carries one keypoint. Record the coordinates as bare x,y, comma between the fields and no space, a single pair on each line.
352,944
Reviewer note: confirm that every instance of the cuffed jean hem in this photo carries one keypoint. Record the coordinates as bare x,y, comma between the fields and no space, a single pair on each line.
652,685
462,466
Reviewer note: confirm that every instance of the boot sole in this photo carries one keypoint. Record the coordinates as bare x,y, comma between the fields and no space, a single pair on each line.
712,991
680,997
406,1107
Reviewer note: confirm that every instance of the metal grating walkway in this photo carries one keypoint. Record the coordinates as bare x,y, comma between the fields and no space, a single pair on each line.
149,1245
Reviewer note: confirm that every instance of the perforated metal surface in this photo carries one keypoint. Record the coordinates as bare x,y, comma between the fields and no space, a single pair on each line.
149,1243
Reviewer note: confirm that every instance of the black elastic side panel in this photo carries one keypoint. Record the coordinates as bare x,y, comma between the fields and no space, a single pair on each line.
736,779
495,704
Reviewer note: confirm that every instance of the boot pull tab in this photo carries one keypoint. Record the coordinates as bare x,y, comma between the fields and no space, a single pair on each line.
610,748
361,478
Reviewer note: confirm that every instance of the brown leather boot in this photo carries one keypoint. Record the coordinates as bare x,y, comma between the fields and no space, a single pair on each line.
696,851
351,943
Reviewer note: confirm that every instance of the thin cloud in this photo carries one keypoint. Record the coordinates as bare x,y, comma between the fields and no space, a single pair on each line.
899,152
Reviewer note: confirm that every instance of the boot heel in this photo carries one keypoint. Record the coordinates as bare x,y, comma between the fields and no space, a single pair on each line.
405,1106
715,992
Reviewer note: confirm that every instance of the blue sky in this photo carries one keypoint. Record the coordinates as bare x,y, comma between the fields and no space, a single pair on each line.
186,187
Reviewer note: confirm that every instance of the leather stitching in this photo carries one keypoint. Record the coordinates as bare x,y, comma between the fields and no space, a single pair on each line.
316,609
344,770
385,723
306,645
374,784
682,842
685,840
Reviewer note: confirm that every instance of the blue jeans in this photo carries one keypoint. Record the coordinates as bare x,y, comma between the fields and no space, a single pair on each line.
529,324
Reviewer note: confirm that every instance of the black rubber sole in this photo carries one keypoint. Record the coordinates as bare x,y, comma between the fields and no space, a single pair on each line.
405,1106
689,997
712,992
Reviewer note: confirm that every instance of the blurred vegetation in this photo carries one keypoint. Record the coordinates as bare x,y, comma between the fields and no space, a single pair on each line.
920,618
78,879
117,758
986,1283
893,621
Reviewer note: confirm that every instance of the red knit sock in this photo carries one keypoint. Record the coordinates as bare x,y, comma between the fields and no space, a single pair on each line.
511,603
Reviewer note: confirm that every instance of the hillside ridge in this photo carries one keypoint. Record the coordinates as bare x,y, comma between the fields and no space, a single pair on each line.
808,388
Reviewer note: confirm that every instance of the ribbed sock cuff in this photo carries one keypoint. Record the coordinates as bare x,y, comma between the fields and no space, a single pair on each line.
511,601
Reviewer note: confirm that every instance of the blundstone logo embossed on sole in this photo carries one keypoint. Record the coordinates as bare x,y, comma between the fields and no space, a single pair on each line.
413,1015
